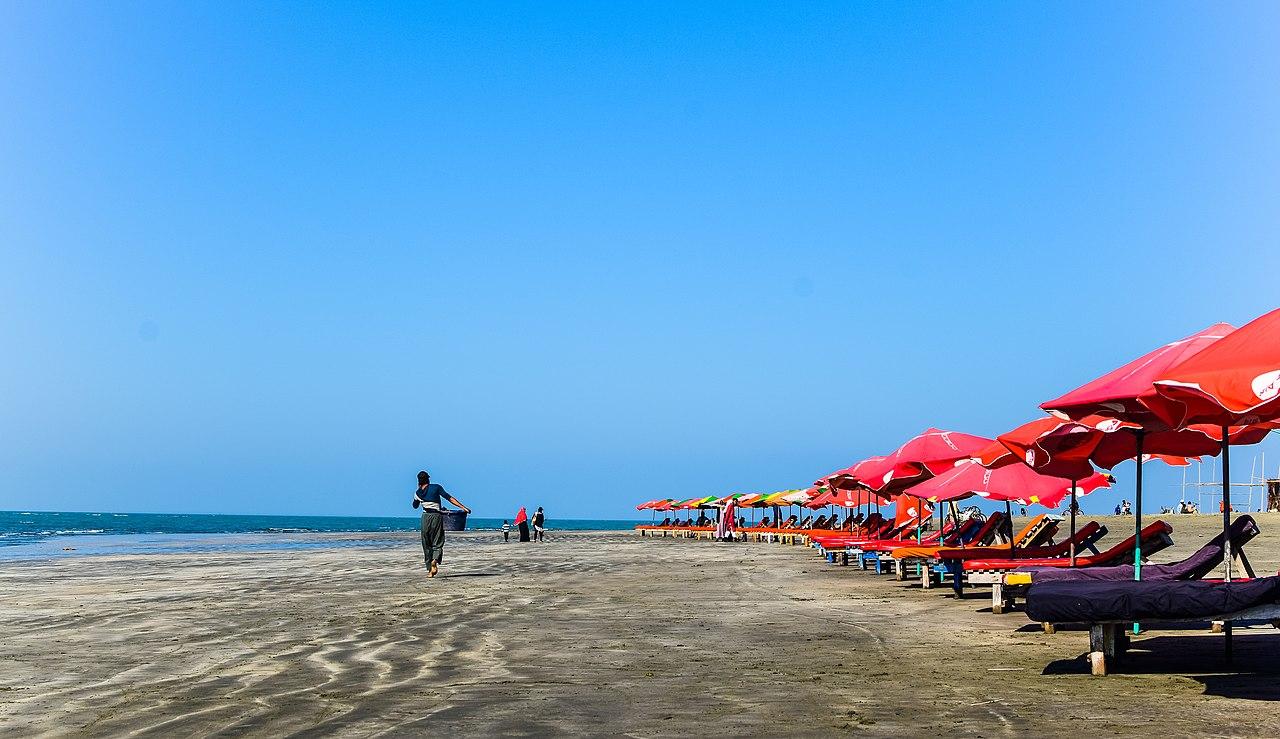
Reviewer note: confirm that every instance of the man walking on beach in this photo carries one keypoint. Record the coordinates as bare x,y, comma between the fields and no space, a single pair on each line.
429,495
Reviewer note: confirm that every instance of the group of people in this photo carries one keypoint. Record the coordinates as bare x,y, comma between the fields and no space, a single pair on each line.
539,522
430,498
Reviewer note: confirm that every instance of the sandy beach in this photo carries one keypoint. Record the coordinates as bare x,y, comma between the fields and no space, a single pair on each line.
591,633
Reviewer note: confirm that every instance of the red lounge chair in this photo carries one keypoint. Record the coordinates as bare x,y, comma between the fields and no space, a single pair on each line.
1155,537
990,529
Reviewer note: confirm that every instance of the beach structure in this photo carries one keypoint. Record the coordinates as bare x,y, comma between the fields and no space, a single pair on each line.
1191,398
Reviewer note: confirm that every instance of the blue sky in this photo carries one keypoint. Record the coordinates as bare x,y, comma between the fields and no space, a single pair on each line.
276,258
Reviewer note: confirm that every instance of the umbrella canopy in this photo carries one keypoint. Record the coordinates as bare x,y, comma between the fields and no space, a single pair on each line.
798,497
1053,446
850,477
1235,381
1015,483
1173,446
921,457
1124,392
845,498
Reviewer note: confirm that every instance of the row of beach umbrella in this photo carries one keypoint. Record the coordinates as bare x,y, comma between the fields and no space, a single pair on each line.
1192,397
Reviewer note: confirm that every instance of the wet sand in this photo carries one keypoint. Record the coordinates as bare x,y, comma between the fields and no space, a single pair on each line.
599,633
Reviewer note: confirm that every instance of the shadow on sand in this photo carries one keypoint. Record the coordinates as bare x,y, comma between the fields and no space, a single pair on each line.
1252,675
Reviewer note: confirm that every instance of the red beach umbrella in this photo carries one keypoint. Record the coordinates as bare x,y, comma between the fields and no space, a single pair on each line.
1126,394
929,453
1015,483
1009,483
1054,446
843,498
1235,381
923,456
1174,446
851,477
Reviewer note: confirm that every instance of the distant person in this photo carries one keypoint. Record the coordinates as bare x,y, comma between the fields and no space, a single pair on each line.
1022,511
539,528
522,524
1117,511
506,531
429,495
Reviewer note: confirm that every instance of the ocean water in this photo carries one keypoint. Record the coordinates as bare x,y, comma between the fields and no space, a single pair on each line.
26,534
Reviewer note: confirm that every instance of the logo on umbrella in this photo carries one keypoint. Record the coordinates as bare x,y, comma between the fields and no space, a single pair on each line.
1267,385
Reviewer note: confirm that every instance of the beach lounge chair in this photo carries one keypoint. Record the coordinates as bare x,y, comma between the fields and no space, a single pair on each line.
880,554
952,564
990,531
1108,607
833,545
903,533
826,541
991,537
1198,565
1155,537
1204,561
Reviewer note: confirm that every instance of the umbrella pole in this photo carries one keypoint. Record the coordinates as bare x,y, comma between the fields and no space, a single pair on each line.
1227,554
1226,501
1013,545
1073,523
1137,518
1137,514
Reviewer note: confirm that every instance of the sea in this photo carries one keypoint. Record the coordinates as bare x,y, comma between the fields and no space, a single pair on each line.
43,534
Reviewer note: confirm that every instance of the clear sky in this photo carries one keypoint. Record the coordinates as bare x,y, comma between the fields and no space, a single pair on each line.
275,258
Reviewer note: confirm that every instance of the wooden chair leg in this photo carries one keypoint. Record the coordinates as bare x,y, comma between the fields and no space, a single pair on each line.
1098,648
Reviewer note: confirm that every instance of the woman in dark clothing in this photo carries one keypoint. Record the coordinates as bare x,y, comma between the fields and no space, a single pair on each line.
429,495
539,526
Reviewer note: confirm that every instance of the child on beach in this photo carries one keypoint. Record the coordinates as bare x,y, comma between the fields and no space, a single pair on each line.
506,531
